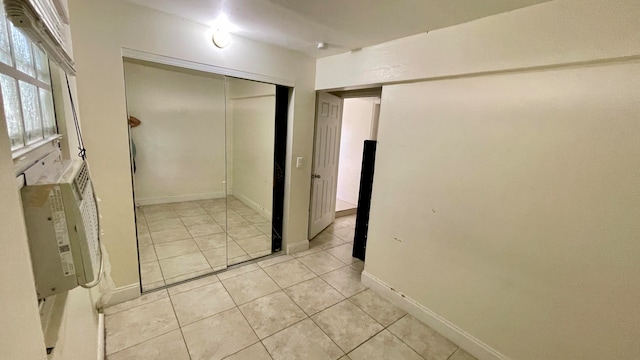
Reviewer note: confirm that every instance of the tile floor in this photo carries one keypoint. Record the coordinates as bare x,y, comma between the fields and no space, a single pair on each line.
308,306
180,241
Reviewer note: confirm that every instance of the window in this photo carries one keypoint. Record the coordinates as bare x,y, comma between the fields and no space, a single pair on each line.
25,84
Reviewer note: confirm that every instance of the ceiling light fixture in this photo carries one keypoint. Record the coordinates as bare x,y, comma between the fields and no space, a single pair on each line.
221,28
323,46
221,38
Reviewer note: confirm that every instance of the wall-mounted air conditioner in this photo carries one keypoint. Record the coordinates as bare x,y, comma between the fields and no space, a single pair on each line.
61,215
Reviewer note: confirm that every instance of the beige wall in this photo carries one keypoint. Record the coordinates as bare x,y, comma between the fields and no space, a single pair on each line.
519,192
180,143
250,90
101,29
557,32
507,204
78,333
357,118
253,147
20,334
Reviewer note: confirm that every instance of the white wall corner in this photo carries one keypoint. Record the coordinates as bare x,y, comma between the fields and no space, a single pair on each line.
124,293
254,206
441,325
298,246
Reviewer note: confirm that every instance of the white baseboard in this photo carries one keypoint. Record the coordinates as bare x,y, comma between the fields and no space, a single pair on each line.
441,325
297,246
179,198
254,206
101,339
124,293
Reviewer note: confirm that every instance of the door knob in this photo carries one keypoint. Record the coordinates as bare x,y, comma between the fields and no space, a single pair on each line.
315,176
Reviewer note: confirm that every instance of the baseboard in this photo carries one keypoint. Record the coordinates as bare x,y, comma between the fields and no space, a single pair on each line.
254,206
447,329
124,293
101,339
179,198
297,246
341,213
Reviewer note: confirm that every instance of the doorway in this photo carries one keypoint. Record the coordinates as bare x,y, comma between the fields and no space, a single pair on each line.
207,158
344,122
359,123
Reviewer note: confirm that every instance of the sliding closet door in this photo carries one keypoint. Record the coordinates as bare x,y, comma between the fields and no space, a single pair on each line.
250,168
179,154
206,180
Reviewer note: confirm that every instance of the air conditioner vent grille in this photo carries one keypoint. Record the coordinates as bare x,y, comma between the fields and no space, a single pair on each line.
82,179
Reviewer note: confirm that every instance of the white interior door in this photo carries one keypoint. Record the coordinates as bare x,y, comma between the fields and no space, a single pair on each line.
326,152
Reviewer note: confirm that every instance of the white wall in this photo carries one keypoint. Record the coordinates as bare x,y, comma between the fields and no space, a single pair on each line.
239,88
357,117
100,30
557,32
253,123
20,334
505,206
181,141
78,333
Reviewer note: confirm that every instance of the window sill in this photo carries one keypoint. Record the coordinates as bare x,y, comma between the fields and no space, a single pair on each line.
24,151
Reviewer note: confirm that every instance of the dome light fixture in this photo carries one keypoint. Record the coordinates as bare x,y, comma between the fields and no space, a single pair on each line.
221,38
221,29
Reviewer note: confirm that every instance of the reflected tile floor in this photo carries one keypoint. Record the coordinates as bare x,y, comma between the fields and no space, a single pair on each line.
278,308
181,241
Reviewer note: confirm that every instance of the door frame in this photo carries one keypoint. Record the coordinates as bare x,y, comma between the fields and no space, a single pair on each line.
285,89
342,94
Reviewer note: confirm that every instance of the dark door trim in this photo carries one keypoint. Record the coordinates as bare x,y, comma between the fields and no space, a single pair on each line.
283,94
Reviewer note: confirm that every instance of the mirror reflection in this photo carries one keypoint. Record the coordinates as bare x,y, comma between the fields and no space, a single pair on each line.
250,144
202,149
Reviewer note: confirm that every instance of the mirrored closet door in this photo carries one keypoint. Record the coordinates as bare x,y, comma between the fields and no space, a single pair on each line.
250,164
202,154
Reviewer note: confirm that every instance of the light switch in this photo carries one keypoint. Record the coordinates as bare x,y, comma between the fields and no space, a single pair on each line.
298,162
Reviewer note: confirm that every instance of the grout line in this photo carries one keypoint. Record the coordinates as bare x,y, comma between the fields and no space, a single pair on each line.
410,347
149,339
281,289
296,304
383,328
366,341
136,306
190,280
179,325
241,313
244,348
304,312
454,351
208,272
324,332
225,232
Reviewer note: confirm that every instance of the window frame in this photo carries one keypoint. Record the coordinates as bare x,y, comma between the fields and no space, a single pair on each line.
13,72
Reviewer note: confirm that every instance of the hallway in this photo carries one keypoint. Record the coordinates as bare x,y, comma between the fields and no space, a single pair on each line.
307,306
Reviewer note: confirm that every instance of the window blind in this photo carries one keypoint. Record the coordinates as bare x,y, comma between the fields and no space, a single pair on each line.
45,22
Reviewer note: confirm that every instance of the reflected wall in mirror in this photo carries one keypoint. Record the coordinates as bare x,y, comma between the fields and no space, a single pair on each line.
250,168
178,157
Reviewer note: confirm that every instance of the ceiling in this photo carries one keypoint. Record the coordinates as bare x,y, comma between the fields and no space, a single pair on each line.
343,24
